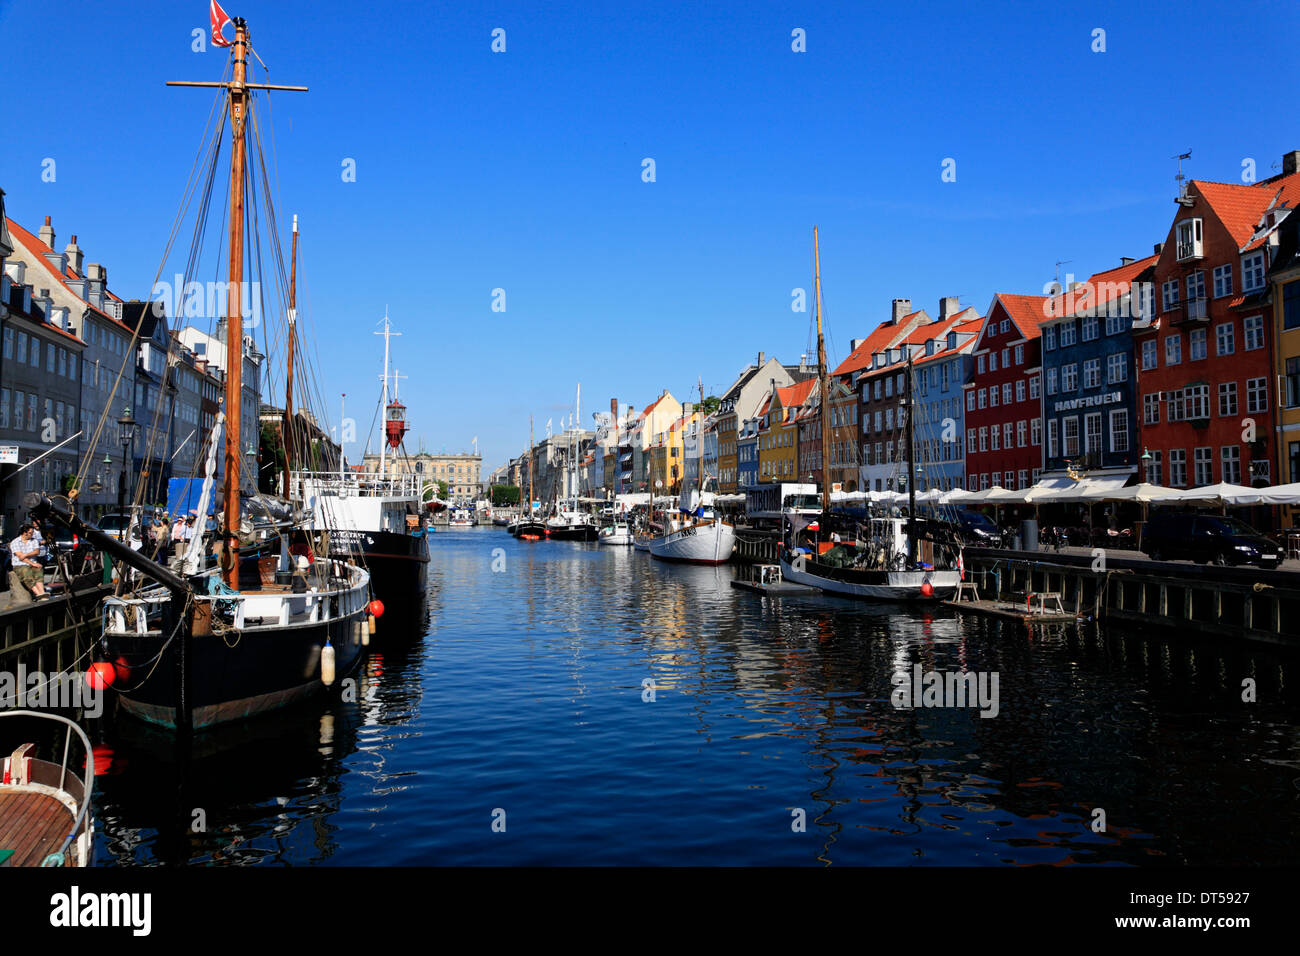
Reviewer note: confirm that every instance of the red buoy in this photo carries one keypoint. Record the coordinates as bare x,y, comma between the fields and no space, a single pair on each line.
377,607
101,675
927,589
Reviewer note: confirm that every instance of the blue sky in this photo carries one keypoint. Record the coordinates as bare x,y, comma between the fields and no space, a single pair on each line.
522,171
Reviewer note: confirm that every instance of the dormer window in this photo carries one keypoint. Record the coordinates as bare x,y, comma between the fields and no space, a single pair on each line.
1187,235
1252,272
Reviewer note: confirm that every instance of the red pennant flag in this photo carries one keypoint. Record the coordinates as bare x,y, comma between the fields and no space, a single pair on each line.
219,21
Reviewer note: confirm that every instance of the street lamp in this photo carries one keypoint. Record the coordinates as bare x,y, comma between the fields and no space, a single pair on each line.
126,434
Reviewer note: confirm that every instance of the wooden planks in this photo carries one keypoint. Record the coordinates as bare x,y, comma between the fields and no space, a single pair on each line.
32,825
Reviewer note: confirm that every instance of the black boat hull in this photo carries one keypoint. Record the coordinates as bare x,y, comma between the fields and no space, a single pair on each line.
398,565
578,533
231,677
536,528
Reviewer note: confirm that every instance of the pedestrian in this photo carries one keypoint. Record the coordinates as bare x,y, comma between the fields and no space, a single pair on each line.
28,570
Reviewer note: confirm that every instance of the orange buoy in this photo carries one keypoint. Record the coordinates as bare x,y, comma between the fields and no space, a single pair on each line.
927,589
377,607
100,675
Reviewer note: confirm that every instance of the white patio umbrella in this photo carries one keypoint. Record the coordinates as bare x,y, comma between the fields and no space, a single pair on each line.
1221,494
1280,494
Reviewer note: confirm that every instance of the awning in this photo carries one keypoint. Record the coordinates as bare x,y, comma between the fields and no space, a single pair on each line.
1220,494
1280,494
1064,489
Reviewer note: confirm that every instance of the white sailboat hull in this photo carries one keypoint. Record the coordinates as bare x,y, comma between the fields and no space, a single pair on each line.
709,543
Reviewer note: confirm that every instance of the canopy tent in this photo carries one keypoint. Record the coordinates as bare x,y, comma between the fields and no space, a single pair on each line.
1142,493
1280,494
1220,494
1064,489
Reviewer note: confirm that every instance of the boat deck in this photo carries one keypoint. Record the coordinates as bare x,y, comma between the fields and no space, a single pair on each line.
33,825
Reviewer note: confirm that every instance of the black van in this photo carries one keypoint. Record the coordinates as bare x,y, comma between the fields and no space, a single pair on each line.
1214,539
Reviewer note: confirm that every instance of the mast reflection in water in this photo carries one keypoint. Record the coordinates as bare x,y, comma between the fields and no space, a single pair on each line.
624,711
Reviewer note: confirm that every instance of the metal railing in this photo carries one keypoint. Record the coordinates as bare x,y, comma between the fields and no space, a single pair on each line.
366,483
59,857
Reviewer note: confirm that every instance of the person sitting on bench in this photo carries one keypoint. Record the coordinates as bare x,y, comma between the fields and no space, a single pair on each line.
25,550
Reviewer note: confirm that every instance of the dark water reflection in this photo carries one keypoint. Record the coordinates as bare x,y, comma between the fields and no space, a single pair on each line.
526,694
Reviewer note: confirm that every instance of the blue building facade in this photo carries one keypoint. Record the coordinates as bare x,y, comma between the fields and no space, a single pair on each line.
1090,412
941,370
747,454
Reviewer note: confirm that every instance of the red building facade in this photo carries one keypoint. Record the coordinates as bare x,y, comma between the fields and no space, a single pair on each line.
1206,395
1003,397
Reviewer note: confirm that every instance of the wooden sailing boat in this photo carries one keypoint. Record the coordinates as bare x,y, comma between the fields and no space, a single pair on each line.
200,648
885,566
698,535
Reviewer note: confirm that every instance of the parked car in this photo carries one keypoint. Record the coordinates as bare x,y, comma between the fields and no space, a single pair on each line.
1214,539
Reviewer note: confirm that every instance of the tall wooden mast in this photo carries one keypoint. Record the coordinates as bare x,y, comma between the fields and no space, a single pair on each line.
293,334
239,93
530,467
823,380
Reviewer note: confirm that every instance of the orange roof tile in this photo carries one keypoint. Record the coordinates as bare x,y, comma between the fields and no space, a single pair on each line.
37,248
883,335
1100,289
1026,311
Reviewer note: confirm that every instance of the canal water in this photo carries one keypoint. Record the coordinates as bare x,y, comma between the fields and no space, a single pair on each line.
575,704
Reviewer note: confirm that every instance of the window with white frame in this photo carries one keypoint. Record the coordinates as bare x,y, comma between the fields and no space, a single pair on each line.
993,396
1195,286
1006,393
1154,474
1187,239
1006,434
1196,402
1178,467
1253,327
970,400
981,397
1067,334
1024,478
984,439
1022,433
1117,367
1196,344
1169,294
1070,377
1051,381
1119,429
1052,443
1174,405
1020,390
1256,395
1092,432
1092,373
1228,399
1222,280
1151,408
1020,355
1252,272
1070,433
1230,457
1033,387
993,361
1090,330
1006,358
1203,467
1049,338
1035,431
1174,350
995,439
1149,354
1224,339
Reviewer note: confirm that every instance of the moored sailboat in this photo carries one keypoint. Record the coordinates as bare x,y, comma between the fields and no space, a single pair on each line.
888,564
196,648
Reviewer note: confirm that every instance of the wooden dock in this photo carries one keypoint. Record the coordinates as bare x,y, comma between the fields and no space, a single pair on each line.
1017,612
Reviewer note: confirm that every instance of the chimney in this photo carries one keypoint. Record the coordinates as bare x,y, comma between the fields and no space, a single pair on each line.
47,233
1290,162
1126,260
854,344
901,308
803,361
948,307
1158,247
73,252
761,356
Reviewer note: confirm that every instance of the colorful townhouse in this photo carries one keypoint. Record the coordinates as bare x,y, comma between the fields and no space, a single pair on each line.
778,437
842,447
1285,282
747,453
1089,400
741,402
1205,372
882,388
1003,398
940,373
